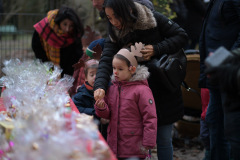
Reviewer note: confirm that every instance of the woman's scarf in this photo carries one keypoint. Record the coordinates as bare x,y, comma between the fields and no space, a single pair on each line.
52,37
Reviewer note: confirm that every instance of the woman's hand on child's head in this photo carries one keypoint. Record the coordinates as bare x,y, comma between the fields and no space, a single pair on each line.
99,94
100,103
147,52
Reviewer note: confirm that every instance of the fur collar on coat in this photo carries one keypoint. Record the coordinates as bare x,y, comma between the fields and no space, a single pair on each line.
145,21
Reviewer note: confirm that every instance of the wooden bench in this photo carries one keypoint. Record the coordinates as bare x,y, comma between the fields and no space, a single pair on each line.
8,29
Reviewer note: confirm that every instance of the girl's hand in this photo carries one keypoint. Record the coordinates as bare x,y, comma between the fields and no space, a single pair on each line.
99,94
145,150
147,52
100,103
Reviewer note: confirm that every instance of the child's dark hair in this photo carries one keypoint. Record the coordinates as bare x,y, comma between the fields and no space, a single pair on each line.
68,13
121,57
124,10
91,63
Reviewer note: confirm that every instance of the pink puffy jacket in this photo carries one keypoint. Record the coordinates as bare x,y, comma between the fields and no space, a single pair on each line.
133,121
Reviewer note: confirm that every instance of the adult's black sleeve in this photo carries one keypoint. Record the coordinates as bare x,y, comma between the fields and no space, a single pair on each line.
105,65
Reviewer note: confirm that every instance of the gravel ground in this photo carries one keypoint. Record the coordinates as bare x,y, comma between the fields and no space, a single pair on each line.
184,149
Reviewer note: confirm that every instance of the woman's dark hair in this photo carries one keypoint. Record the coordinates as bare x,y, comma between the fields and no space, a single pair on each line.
68,13
121,57
124,10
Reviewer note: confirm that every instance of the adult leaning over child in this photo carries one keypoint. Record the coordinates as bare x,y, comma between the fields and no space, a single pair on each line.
131,22
57,38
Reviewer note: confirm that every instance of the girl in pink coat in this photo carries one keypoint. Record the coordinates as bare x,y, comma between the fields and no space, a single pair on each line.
130,107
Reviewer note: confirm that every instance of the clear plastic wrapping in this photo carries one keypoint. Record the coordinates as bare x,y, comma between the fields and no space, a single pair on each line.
35,98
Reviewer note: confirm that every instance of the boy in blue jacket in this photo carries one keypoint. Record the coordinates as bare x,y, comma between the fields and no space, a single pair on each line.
84,99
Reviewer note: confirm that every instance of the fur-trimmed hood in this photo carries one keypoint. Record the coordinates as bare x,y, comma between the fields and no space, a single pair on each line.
145,21
140,75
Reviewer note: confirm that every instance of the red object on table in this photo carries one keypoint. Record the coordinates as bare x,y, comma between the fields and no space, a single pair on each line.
73,106
2,108
3,89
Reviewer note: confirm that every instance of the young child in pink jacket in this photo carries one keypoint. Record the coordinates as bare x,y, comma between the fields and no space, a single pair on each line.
130,107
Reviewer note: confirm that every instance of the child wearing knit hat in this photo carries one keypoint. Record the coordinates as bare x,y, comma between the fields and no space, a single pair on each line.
93,51
90,51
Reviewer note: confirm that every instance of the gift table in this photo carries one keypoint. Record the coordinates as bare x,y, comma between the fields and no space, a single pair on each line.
73,108
38,116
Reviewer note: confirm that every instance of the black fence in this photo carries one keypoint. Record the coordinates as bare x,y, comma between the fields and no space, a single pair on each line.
16,35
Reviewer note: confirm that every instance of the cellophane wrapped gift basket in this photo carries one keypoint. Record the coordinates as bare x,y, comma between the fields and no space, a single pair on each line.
38,122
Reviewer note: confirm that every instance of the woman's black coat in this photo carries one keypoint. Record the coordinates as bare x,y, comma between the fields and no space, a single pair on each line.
166,37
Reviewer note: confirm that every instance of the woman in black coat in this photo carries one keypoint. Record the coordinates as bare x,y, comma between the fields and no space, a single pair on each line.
131,22
57,38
